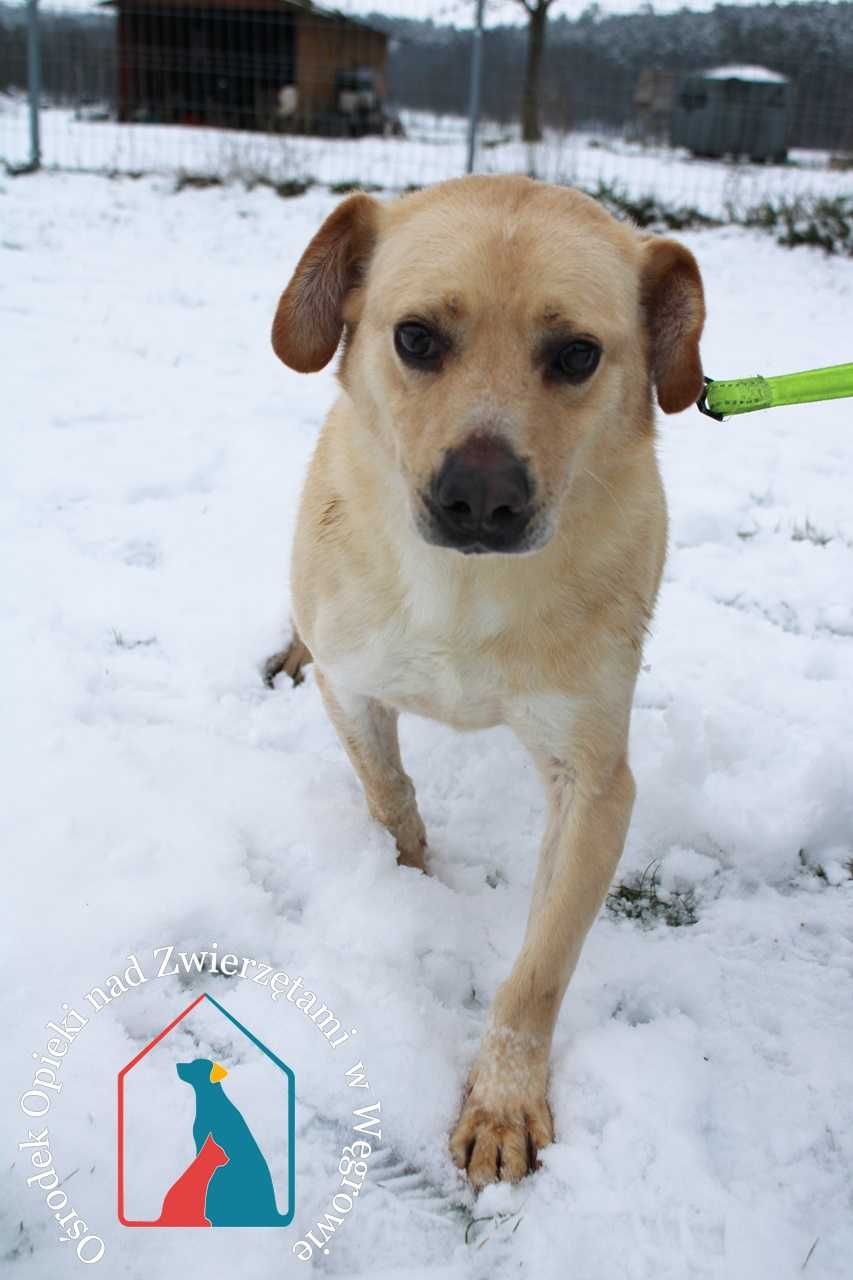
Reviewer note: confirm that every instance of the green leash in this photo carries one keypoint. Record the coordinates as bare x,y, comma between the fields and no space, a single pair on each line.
744,395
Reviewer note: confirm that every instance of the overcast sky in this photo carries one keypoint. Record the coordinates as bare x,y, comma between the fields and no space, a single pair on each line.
460,12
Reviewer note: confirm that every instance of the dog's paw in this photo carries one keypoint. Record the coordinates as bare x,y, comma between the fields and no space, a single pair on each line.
290,660
412,843
500,1141
396,809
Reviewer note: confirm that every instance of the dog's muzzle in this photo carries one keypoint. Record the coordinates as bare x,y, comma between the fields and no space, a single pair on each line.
480,500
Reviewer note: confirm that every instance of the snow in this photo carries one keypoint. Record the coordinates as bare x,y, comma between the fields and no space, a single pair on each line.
433,149
756,75
156,792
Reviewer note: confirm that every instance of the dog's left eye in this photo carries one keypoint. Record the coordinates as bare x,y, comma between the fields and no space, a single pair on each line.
416,344
576,361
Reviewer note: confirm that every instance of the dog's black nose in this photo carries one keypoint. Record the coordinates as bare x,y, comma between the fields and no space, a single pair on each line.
481,496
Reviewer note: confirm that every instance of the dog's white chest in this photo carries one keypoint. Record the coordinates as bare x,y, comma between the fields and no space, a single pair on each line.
426,677
432,657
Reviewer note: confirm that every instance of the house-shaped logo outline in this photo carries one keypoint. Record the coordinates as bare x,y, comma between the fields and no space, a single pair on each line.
291,1109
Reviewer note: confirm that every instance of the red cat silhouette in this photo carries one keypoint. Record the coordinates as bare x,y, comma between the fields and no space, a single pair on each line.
183,1203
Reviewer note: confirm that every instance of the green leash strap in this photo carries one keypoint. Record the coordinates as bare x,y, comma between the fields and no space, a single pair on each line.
744,395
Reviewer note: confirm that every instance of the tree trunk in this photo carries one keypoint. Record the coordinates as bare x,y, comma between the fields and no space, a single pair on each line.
531,127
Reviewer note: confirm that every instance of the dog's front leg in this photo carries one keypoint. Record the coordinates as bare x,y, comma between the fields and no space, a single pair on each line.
368,730
506,1118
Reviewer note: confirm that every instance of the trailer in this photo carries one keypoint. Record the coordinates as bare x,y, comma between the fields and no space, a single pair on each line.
738,111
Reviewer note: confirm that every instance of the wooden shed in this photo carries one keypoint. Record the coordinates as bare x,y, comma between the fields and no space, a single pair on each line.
248,64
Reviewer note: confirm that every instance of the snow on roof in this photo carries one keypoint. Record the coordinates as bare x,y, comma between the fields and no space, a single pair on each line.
758,75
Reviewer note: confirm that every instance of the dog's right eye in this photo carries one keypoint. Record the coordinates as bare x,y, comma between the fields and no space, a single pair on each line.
416,344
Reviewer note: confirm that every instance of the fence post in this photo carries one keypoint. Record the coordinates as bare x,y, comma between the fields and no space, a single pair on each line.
474,91
34,81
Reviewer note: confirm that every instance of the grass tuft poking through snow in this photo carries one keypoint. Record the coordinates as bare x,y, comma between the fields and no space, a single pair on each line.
640,898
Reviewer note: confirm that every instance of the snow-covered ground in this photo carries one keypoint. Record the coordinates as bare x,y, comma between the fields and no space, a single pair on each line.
155,792
433,149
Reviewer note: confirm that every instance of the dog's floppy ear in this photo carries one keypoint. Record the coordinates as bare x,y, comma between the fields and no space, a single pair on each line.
674,310
309,320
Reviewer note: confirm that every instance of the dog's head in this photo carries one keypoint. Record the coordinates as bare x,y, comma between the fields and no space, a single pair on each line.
201,1071
501,336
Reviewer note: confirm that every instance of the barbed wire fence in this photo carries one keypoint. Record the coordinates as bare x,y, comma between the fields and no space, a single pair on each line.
290,93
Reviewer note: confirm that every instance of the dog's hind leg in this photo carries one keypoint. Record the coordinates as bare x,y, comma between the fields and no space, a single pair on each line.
368,730
290,660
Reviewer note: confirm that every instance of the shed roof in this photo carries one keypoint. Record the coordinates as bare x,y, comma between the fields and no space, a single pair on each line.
306,7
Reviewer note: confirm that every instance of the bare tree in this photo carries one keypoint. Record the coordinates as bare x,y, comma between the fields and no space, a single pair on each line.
531,105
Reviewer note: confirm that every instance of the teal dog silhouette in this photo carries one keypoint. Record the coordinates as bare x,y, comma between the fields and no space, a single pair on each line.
240,1193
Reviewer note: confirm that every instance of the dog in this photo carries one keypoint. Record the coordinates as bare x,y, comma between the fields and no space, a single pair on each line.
240,1192
482,534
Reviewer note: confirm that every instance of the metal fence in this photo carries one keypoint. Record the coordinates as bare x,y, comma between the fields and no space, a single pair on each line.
287,92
